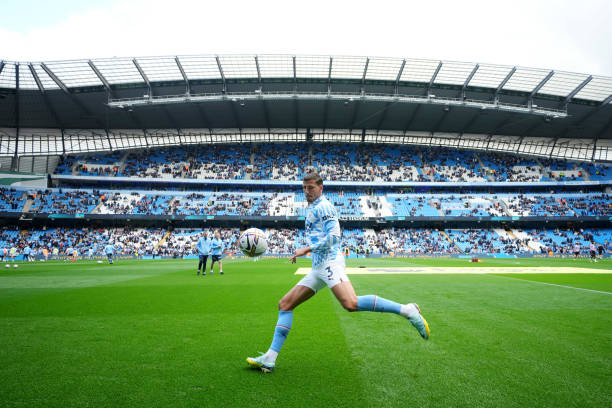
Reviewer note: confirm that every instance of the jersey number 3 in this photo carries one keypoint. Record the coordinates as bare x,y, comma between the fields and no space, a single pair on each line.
329,272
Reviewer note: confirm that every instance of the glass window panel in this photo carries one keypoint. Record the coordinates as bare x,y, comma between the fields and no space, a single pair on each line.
45,79
348,67
383,68
525,79
454,73
276,66
419,70
26,79
74,73
7,146
159,69
604,152
600,153
200,67
7,76
311,66
118,70
489,76
238,66
562,83
598,89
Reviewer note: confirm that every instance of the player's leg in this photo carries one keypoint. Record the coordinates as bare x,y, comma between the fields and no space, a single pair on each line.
300,293
212,263
345,293
220,266
200,259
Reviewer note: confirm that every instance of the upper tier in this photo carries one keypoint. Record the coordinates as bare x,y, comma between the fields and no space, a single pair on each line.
365,162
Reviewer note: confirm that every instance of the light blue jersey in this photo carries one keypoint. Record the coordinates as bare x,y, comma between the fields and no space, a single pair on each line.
203,246
323,232
109,249
216,246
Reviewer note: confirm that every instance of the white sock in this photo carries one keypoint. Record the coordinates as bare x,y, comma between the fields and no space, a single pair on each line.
409,310
270,356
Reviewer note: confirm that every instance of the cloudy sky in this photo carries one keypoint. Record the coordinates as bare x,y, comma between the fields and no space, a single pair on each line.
562,35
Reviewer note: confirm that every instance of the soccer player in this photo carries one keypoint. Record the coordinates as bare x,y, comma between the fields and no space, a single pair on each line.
576,250
593,251
26,253
323,231
216,250
68,253
13,253
109,250
203,247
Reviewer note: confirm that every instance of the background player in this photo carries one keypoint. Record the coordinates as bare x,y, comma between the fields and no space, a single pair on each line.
26,253
323,231
109,250
13,253
593,251
576,250
203,247
216,250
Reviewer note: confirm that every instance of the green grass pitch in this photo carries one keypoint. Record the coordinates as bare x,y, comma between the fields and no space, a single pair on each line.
151,333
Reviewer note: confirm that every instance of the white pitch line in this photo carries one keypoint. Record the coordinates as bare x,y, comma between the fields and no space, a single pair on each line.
429,270
552,284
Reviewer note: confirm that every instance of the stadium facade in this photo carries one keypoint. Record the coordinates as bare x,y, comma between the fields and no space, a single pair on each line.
63,107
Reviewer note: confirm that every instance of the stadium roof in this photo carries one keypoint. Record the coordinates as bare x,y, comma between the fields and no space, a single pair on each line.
304,91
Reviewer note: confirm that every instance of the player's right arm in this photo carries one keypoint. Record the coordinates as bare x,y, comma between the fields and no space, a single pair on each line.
300,252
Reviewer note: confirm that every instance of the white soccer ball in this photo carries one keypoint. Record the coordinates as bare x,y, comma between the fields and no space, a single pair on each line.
253,242
7,266
99,262
15,266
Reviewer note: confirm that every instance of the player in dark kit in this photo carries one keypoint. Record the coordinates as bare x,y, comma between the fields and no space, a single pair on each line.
203,248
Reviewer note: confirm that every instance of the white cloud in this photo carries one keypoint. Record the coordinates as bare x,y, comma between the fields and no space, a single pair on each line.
566,36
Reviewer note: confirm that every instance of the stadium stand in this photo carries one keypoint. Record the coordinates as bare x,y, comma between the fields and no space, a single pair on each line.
388,241
289,161
257,203
531,162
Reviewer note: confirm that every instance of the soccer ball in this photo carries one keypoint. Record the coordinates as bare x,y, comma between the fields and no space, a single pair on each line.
253,242
7,266
15,266
99,262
